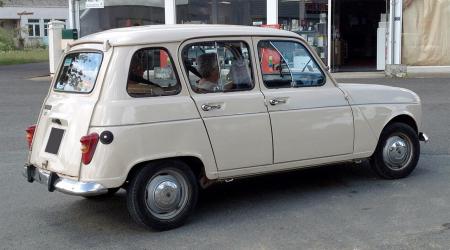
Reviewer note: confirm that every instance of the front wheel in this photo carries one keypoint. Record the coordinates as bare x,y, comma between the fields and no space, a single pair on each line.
162,195
397,152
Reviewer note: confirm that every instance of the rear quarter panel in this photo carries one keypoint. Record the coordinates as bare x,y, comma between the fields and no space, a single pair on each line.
144,128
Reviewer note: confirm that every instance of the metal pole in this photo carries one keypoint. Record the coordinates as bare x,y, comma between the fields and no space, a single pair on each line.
170,12
329,34
272,11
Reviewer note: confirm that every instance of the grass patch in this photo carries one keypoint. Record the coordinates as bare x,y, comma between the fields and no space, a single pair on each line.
23,56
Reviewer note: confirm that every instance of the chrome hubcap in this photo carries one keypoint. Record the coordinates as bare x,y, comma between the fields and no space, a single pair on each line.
397,152
166,194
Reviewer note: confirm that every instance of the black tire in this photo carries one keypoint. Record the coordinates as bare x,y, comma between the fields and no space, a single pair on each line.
143,208
110,193
391,159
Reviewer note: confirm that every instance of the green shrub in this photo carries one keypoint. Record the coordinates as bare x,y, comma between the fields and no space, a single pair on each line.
6,39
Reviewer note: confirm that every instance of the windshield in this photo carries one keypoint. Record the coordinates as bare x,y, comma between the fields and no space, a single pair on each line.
79,72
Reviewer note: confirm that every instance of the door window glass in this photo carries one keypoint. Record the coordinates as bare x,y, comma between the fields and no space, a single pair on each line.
218,66
288,64
152,74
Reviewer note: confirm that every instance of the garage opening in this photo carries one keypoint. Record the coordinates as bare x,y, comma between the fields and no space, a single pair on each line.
355,24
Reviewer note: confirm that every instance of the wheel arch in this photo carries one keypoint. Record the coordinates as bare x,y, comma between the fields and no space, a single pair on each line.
195,163
404,118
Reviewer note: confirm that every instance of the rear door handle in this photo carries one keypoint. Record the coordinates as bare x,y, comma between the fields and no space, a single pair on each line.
277,101
209,107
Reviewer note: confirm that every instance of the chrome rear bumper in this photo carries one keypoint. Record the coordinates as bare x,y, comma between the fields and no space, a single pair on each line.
63,185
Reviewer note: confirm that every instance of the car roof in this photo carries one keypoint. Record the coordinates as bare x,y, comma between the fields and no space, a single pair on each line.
176,33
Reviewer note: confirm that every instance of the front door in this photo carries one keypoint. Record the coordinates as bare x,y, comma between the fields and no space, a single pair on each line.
310,115
222,84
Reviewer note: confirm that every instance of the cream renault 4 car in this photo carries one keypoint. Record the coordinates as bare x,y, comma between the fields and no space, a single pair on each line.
162,111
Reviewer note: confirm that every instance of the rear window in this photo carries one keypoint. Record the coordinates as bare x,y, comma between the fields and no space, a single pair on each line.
79,72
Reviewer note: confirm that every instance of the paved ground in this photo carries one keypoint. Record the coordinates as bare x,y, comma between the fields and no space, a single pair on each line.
338,207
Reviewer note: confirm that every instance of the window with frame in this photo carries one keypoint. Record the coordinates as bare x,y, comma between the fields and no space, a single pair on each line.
46,21
78,73
152,73
34,28
288,64
218,66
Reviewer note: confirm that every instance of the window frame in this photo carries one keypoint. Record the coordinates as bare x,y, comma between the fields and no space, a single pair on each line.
307,49
223,40
46,24
173,67
33,24
62,65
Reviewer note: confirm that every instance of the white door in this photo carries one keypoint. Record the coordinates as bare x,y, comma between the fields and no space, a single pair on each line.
310,116
222,83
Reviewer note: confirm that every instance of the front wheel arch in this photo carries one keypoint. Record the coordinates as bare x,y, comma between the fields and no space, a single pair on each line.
404,118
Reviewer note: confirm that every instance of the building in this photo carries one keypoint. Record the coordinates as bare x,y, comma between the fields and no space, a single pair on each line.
349,35
32,17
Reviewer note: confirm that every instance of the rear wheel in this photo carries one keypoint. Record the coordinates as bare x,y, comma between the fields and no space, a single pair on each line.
397,152
162,195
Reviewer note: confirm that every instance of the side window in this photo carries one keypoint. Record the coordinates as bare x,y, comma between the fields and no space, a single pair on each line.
218,66
288,64
152,74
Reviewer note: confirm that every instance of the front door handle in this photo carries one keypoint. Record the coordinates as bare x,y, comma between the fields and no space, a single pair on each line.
209,107
277,101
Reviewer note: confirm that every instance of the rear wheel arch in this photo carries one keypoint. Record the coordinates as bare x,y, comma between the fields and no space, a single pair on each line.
193,162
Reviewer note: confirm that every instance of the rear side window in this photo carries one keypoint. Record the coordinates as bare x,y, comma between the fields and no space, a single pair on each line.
79,72
221,66
152,73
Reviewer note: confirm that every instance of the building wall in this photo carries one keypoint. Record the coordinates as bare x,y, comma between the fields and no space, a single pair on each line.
47,10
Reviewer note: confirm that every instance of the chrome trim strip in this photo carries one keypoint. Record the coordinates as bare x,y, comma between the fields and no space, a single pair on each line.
69,186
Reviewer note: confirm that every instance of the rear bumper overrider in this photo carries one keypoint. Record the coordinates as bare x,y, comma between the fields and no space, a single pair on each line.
63,185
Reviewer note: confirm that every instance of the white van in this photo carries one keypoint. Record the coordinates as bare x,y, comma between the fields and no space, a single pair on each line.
162,111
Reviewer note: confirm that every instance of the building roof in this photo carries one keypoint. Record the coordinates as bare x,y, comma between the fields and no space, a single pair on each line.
177,32
35,3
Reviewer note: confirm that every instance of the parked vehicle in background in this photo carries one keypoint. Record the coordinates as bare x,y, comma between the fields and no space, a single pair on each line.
165,110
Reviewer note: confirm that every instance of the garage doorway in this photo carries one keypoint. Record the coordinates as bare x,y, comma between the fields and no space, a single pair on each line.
354,37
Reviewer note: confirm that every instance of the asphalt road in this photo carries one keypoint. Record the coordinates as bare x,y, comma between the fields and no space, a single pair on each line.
335,207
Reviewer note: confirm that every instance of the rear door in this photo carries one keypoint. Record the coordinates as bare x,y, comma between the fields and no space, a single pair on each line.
222,83
67,111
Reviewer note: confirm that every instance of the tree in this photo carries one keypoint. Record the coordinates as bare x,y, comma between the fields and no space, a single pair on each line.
1,3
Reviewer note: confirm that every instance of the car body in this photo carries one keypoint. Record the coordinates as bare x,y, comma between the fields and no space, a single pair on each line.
136,99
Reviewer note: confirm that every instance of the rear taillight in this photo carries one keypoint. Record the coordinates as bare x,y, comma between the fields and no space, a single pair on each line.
30,134
88,145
